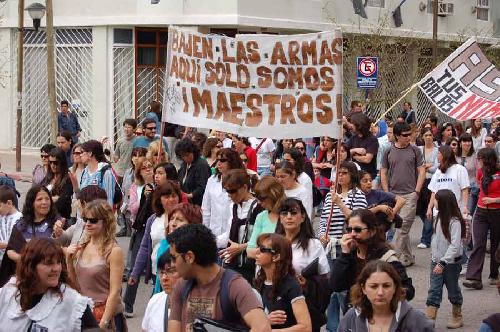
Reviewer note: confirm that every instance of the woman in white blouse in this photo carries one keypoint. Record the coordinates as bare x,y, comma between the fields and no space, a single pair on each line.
287,175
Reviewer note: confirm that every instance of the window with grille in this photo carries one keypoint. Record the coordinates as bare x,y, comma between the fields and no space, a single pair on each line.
483,10
376,3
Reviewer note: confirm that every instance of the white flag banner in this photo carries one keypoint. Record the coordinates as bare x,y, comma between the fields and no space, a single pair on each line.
255,85
466,85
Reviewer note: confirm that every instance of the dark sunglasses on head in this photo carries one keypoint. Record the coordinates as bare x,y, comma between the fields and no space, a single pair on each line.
286,212
355,229
230,191
266,250
90,220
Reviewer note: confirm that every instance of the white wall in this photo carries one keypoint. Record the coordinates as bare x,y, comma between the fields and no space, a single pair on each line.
8,84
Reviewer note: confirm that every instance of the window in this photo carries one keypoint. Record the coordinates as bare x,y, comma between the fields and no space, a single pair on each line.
122,36
151,47
445,8
483,10
376,3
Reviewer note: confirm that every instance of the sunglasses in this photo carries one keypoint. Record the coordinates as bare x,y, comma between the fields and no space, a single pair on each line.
230,191
266,250
356,230
406,135
151,128
261,198
53,162
292,212
77,153
93,221
222,160
44,156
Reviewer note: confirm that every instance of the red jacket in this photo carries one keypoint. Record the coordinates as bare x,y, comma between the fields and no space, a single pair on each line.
252,158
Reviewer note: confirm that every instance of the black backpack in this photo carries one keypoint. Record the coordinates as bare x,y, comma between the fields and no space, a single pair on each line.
232,317
118,194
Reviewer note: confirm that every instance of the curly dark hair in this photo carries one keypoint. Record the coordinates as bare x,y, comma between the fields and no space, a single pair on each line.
29,210
38,251
361,123
186,145
283,266
306,231
198,239
166,189
208,146
377,242
233,159
359,299
47,148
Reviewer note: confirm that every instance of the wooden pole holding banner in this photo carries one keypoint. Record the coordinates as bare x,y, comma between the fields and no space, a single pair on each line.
405,93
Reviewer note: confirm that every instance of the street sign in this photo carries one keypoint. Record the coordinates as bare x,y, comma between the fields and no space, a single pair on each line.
367,72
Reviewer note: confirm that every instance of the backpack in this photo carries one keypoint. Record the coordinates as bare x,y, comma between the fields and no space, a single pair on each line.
230,313
118,194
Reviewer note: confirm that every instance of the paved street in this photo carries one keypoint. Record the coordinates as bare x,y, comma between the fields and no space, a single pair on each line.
477,304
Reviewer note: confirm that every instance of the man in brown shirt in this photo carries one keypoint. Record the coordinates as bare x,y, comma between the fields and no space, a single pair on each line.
194,252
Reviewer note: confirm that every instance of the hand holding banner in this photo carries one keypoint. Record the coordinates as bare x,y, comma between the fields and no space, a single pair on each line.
255,85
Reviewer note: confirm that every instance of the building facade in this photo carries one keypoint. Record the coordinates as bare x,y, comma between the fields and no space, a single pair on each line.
110,55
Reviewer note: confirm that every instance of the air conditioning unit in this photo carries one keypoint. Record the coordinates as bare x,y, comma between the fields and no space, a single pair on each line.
445,9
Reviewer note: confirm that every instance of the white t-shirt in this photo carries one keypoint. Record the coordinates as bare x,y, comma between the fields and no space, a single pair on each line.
304,195
455,179
265,153
301,258
154,316
157,234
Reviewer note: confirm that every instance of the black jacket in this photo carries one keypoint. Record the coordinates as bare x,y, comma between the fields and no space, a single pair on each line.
196,179
345,271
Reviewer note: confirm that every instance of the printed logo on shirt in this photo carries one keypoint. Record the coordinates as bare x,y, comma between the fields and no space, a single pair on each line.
199,307
38,328
444,180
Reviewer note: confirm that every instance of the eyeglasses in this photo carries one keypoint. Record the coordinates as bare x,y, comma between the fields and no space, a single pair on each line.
222,160
151,128
77,153
406,135
266,250
356,230
488,141
146,167
230,191
343,172
292,212
168,272
261,198
93,221
44,156
53,162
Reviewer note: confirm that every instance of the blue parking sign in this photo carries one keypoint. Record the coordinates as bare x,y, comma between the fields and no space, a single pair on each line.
367,72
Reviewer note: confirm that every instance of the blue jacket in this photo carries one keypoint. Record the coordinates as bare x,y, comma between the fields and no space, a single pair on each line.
69,123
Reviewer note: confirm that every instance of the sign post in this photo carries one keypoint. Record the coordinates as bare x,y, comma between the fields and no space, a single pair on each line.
367,72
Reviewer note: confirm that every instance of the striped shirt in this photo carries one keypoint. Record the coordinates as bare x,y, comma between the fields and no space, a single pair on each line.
7,222
354,200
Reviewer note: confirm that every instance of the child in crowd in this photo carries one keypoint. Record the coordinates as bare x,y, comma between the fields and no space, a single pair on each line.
447,253
9,215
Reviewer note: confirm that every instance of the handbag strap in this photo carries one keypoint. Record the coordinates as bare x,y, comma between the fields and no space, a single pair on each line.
260,144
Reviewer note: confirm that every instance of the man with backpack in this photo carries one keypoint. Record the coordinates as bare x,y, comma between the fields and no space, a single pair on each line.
209,291
403,174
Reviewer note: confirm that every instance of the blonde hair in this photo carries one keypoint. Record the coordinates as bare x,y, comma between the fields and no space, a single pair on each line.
153,152
270,188
100,209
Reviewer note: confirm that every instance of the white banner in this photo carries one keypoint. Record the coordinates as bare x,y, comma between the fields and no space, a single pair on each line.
255,85
466,85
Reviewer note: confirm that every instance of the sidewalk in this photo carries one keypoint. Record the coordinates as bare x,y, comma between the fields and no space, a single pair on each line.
29,159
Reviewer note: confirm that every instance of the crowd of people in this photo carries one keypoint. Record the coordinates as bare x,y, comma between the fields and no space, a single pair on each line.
252,233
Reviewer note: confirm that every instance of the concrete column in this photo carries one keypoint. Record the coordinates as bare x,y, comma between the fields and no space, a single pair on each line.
8,87
100,67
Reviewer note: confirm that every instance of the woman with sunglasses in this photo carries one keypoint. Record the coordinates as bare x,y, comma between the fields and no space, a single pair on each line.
296,226
165,198
40,170
210,148
270,194
308,167
59,183
97,265
280,291
216,204
243,212
364,241
429,153
467,157
286,174
486,219
76,171
478,133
